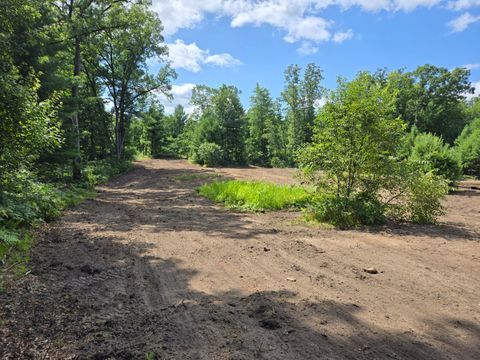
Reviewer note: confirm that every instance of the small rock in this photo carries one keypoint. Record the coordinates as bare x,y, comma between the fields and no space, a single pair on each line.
266,249
291,279
89,269
270,324
371,270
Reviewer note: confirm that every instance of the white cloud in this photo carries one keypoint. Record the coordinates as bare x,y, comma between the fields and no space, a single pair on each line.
476,85
300,20
222,60
307,48
340,37
463,4
297,18
181,96
471,66
462,22
191,57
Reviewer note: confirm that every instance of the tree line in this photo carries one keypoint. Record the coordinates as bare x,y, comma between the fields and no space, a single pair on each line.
78,102
431,101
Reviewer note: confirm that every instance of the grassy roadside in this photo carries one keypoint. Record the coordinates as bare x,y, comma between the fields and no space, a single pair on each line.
26,202
255,195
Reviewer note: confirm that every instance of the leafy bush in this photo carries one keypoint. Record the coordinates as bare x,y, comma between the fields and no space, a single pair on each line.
276,162
357,159
25,201
418,198
424,201
468,148
97,172
209,154
255,195
363,209
435,155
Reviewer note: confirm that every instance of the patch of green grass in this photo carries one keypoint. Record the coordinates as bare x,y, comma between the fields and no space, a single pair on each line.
14,249
150,356
140,157
308,219
255,195
195,176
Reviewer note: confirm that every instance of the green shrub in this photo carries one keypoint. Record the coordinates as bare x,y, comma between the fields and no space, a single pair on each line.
209,154
24,201
363,209
468,148
418,197
435,155
97,172
14,248
276,162
424,201
255,195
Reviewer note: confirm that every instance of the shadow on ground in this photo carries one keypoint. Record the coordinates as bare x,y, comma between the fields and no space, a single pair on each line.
98,297
115,301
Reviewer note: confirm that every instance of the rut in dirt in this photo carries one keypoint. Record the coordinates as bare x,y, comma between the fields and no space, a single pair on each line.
139,270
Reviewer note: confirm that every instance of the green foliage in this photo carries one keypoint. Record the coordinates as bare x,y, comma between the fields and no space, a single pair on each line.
431,98
255,195
219,118
150,356
14,249
209,154
261,112
300,96
468,148
361,209
424,203
100,171
132,35
230,115
417,196
28,126
435,155
354,159
25,201
355,137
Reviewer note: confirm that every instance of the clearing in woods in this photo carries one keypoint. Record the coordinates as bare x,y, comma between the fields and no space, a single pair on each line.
149,267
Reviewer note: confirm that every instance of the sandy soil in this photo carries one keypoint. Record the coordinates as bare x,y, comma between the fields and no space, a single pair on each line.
149,266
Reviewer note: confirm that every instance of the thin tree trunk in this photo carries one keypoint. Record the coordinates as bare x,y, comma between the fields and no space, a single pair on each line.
77,161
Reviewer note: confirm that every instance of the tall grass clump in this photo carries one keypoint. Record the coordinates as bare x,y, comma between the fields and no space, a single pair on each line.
255,195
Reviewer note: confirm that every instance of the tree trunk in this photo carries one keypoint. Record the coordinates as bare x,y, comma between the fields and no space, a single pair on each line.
77,161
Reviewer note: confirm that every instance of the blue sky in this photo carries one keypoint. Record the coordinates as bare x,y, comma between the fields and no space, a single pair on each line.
242,42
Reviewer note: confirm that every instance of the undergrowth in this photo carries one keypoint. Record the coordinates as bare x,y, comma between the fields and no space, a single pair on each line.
255,195
26,200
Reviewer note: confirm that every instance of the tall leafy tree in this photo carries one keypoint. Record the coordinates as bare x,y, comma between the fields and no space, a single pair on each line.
431,98
311,92
175,123
356,135
81,19
292,98
261,117
28,125
123,64
230,115
276,135
301,95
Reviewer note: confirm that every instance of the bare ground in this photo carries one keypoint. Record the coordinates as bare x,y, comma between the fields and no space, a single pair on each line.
149,266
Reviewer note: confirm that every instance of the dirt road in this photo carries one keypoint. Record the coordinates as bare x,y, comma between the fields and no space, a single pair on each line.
149,267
